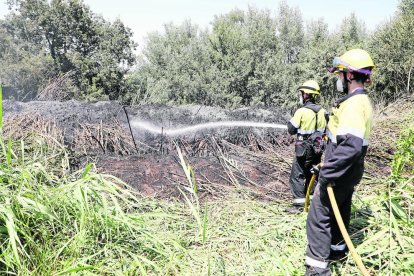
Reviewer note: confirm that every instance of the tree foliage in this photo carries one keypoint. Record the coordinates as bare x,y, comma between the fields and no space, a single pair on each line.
246,58
65,35
393,52
252,58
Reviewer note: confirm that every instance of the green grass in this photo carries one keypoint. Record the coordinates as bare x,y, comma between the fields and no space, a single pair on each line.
53,222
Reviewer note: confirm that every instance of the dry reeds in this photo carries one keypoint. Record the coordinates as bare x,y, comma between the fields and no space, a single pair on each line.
23,126
105,138
60,88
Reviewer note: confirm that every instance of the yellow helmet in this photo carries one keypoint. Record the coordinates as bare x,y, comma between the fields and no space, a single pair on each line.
310,87
355,60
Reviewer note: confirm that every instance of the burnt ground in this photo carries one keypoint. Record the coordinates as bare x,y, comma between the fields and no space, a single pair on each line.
160,175
261,168
256,160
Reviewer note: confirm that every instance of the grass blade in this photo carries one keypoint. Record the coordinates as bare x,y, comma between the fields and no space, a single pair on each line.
85,173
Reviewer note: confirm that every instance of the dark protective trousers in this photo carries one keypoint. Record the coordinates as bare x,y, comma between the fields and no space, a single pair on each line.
300,176
321,227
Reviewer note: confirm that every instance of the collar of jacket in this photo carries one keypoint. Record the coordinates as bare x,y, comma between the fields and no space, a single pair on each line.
358,91
309,103
312,106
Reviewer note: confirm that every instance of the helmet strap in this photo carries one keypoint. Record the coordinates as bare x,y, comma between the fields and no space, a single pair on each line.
308,98
351,79
345,82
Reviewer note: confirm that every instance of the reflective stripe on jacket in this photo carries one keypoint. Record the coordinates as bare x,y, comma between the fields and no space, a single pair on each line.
348,130
303,121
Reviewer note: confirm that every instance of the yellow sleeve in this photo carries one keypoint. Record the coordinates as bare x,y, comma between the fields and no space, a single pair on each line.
352,120
297,117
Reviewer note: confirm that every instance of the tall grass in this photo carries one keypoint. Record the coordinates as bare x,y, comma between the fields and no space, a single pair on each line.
192,201
1,107
384,216
53,222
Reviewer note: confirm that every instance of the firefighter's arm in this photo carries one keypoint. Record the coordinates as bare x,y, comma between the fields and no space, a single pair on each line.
294,123
350,142
291,128
343,158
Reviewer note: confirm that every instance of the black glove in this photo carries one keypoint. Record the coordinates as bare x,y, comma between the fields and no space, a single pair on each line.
315,169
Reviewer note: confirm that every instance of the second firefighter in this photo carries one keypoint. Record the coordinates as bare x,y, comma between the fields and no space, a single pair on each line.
307,121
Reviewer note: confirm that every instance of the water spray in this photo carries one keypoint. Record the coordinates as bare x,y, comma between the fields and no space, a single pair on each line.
188,129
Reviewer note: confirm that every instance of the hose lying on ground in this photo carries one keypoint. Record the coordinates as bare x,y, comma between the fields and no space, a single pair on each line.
344,233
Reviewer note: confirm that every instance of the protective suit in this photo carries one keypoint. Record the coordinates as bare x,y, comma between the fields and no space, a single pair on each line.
348,130
306,121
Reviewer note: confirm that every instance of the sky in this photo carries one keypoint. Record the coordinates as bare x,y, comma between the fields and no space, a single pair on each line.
144,16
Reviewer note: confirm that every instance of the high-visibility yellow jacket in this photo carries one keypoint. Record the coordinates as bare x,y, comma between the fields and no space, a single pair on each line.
348,130
303,122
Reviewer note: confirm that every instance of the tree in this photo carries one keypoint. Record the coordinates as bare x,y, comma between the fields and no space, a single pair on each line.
25,67
290,32
393,54
76,40
176,67
319,50
352,33
229,52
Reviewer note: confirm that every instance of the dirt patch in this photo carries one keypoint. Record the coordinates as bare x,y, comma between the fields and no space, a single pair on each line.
159,176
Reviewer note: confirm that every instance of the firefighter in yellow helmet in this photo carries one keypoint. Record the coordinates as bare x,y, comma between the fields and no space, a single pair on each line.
348,130
307,122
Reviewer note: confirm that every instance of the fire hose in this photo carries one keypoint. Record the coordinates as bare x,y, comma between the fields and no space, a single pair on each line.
344,233
340,222
308,192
